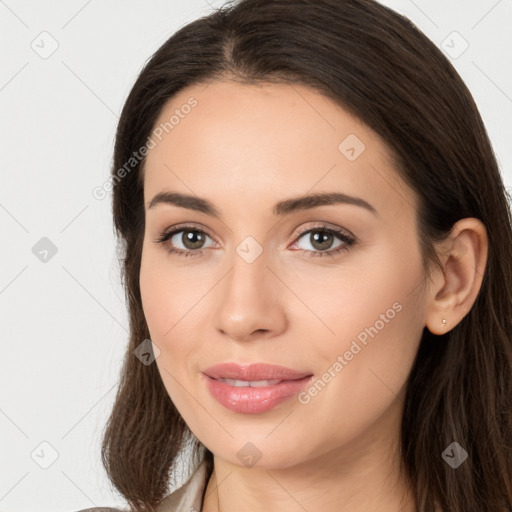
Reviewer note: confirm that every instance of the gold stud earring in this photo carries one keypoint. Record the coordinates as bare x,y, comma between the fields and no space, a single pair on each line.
444,322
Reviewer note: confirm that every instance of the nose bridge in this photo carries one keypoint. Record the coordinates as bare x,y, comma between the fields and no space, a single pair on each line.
249,253
248,299
249,275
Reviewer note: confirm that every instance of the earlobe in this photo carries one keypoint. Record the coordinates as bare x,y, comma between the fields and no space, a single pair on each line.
456,286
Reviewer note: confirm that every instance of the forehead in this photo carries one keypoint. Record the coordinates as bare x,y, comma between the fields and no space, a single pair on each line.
271,140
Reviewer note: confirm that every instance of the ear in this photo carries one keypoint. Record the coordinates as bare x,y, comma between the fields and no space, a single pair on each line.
455,288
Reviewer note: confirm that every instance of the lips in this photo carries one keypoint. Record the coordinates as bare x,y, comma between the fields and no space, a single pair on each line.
254,372
253,389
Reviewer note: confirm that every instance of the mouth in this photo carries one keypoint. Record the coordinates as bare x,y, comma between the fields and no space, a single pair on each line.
253,389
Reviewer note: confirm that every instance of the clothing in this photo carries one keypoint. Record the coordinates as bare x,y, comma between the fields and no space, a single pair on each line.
186,498
189,496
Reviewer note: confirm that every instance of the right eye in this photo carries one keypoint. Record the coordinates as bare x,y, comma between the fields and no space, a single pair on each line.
190,237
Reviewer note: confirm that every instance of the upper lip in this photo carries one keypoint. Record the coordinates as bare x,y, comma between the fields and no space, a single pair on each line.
252,372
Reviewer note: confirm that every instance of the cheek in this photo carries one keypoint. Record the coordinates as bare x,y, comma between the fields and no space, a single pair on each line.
360,384
173,301
169,294
163,307
376,315
373,293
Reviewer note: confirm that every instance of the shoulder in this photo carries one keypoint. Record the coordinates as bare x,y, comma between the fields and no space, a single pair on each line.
187,497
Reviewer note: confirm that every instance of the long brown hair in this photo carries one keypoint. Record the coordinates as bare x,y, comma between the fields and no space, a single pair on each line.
377,65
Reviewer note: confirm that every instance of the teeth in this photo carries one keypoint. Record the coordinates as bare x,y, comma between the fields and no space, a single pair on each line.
251,383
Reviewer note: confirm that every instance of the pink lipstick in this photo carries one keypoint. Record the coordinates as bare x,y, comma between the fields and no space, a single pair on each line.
255,388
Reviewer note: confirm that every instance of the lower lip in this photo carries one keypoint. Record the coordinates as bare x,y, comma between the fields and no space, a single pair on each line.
251,400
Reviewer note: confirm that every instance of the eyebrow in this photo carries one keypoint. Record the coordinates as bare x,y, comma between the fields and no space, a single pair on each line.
281,208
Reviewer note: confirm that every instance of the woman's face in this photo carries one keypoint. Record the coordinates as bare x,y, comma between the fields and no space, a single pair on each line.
267,284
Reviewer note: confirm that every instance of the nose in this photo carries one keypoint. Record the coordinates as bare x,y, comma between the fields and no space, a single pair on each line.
249,301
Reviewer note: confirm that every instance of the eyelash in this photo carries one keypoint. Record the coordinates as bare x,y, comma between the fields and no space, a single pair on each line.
348,241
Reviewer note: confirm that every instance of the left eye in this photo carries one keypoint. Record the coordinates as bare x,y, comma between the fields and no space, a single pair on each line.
321,239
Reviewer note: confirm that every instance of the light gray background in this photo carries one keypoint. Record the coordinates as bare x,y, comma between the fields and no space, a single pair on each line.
64,322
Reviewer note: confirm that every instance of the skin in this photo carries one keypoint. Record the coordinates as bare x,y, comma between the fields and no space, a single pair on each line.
244,148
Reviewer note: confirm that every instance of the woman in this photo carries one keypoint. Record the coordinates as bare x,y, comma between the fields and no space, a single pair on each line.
316,243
